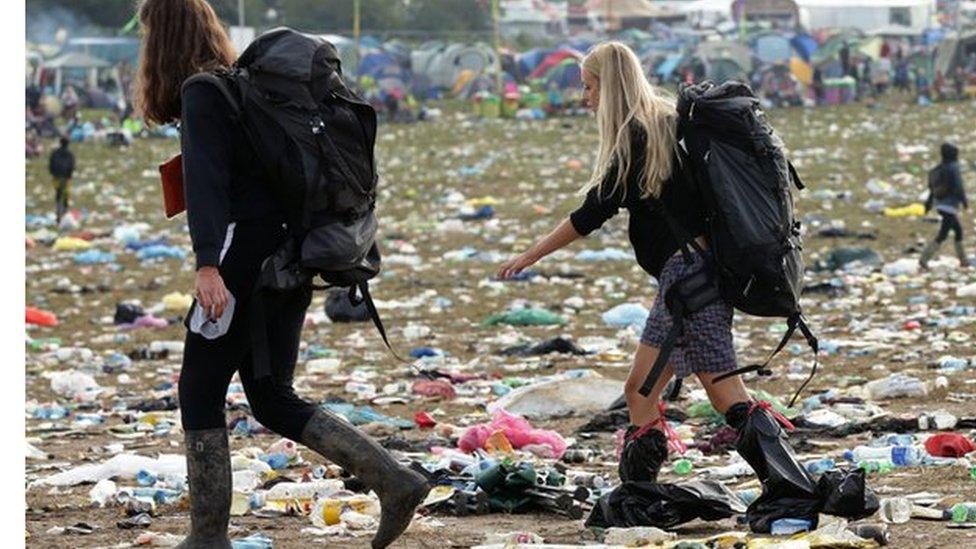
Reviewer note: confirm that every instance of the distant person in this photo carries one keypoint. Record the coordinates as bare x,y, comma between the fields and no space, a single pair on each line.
845,59
62,168
902,78
946,194
69,103
959,82
819,89
882,75
33,95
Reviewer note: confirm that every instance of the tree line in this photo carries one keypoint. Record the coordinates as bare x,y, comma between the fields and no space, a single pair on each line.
111,16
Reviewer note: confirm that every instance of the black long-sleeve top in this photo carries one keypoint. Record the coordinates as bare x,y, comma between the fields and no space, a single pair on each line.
62,163
650,235
957,191
223,181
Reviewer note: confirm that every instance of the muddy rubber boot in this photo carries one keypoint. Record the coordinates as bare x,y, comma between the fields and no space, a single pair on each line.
209,475
927,254
643,454
961,253
400,490
788,490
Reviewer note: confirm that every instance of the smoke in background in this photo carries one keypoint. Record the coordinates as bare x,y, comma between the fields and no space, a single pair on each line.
43,23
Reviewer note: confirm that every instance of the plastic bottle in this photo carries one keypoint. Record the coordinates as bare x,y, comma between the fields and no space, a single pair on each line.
277,460
876,466
895,510
51,411
819,466
963,512
175,347
903,456
894,440
589,480
789,526
749,495
303,491
682,466
953,364
145,478
240,504
365,390
328,511
254,541
896,385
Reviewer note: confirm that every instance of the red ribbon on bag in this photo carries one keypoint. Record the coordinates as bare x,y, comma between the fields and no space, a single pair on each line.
674,441
772,411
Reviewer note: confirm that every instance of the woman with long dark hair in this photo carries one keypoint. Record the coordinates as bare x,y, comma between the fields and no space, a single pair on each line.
235,224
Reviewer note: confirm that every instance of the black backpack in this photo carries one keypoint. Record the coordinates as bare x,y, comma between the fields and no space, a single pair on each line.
754,260
284,89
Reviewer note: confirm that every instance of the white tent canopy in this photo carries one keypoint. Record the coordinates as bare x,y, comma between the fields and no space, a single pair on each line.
75,61
866,15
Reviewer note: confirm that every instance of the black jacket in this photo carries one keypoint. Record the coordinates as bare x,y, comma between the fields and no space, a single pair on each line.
951,175
62,163
650,235
222,178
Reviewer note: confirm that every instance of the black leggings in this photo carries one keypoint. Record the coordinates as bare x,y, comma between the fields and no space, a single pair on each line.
950,222
208,365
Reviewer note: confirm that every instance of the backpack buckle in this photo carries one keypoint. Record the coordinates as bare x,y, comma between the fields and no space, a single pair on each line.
318,126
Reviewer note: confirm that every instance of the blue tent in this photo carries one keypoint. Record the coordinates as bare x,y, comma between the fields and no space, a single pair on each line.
805,45
669,65
528,61
376,62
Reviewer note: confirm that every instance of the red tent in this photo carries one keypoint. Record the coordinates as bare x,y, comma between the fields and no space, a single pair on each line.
554,59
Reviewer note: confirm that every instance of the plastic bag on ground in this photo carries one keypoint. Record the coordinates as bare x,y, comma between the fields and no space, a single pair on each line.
561,396
664,505
845,494
518,431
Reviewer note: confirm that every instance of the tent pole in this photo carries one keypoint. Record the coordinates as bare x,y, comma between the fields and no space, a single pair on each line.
498,47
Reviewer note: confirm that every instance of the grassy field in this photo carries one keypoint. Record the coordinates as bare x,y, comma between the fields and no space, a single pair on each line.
854,160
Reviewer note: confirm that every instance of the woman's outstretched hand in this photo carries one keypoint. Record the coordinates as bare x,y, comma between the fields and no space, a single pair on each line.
516,265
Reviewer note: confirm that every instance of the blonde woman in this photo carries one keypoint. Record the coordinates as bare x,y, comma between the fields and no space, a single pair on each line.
639,167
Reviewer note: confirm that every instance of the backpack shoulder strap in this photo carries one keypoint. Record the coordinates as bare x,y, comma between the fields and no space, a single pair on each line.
221,85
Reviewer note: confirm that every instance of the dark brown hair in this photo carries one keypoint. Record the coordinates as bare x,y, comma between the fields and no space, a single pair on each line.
180,39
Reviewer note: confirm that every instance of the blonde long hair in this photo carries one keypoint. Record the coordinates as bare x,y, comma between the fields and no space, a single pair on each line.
627,97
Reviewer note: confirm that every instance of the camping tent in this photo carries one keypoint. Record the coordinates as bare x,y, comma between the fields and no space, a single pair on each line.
75,62
805,46
554,59
726,49
565,75
772,48
442,64
955,52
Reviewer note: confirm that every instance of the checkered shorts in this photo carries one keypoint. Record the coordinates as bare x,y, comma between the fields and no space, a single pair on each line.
706,345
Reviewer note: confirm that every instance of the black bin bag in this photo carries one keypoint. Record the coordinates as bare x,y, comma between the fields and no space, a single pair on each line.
664,505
